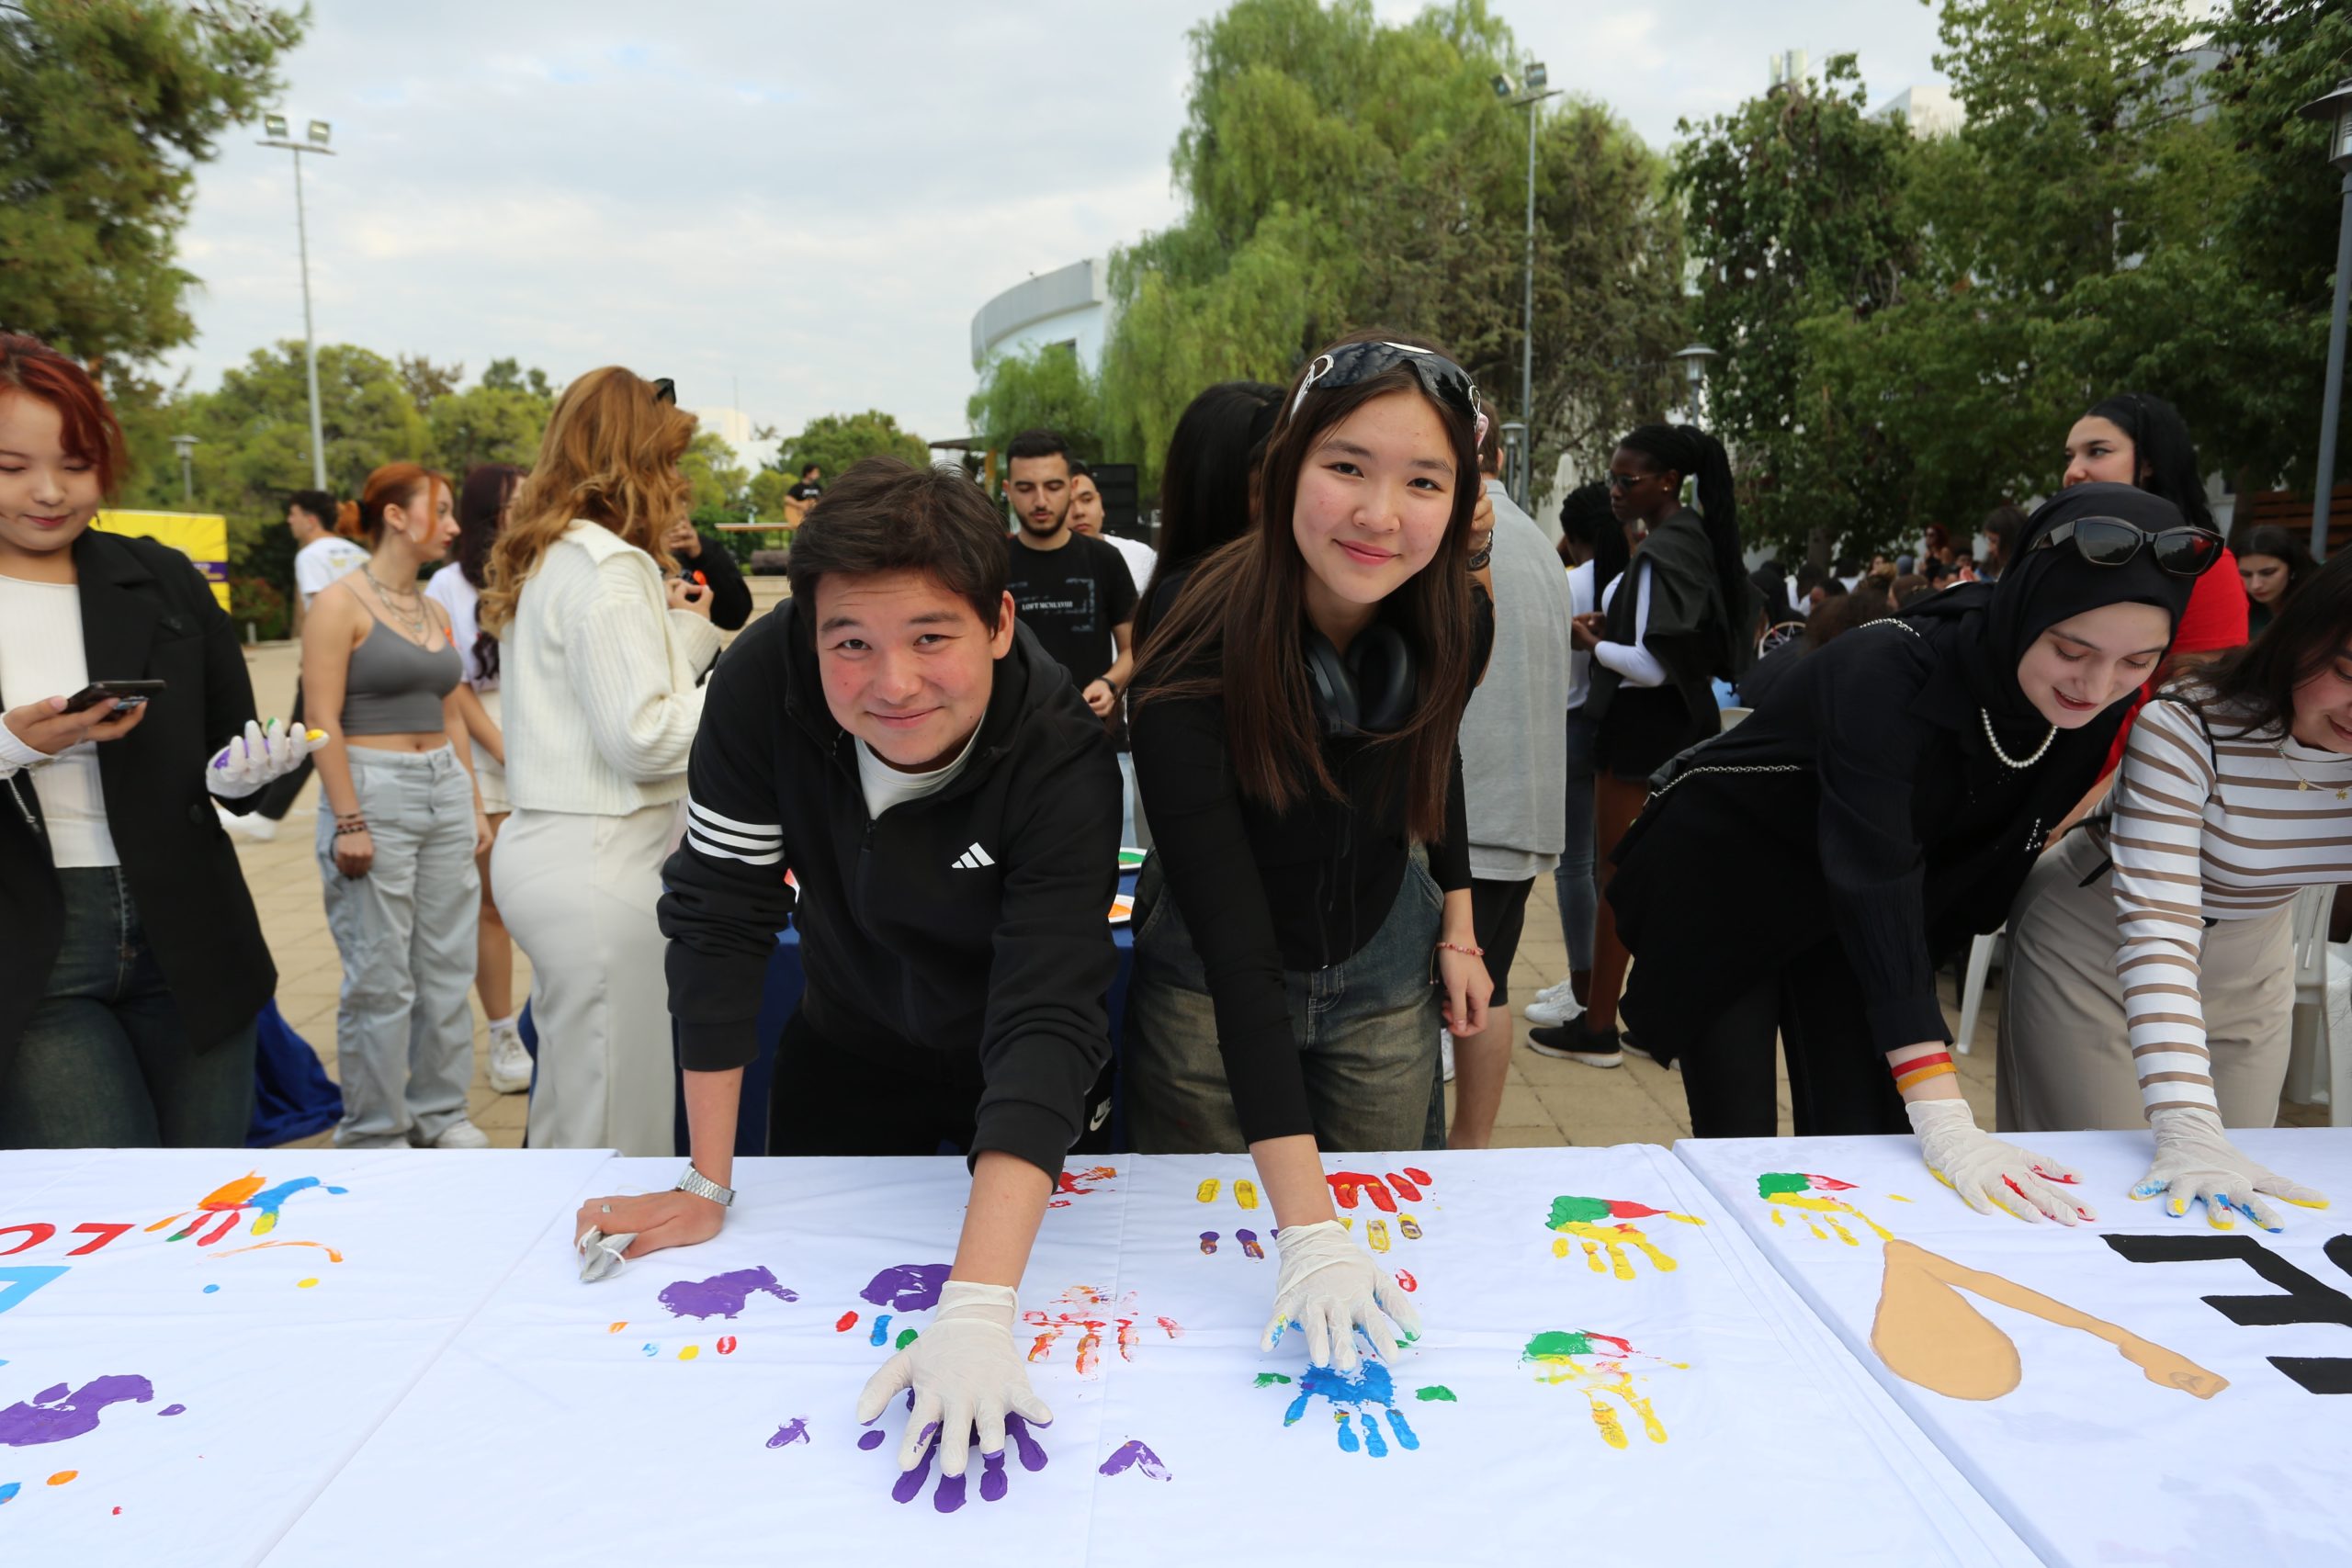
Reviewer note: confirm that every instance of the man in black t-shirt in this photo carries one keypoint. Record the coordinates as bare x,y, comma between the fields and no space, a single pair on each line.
1073,593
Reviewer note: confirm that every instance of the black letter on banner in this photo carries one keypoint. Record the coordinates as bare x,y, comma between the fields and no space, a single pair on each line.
2306,1301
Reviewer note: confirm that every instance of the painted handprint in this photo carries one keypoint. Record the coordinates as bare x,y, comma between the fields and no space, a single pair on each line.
226,1204
1246,1239
1595,1364
950,1495
1350,1187
1794,1190
1091,1313
902,1288
1245,1192
1606,1223
1361,1396
60,1412
1079,1183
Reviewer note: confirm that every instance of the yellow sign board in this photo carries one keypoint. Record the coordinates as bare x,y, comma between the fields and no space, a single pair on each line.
203,540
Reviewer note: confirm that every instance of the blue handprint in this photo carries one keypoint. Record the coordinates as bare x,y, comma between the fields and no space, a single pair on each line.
1358,1397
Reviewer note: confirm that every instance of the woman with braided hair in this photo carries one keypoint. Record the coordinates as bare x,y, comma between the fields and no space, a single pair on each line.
1674,622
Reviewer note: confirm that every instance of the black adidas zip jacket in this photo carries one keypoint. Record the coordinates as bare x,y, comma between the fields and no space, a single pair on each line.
976,920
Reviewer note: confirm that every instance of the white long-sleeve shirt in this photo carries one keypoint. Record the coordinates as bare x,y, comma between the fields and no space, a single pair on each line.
2222,833
598,677
1632,661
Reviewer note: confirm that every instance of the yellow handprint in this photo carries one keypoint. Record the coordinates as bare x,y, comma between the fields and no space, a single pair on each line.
1786,1190
1595,1363
1582,1218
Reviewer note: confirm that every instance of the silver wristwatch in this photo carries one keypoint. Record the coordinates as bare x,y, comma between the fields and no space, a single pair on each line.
702,1186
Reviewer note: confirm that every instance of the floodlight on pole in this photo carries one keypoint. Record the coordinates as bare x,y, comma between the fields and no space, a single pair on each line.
186,446
2336,108
277,132
1694,361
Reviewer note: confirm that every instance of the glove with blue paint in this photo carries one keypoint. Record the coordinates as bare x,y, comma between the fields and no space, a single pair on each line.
1330,1287
2195,1159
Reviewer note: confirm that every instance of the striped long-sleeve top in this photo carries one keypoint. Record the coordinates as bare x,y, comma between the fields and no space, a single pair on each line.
2207,828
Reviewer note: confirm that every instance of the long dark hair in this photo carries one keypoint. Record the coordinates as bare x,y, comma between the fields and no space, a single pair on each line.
1205,483
481,512
2164,456
1691,453
2256,684
1234,632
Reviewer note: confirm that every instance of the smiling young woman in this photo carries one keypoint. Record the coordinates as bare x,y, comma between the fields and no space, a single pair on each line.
2150,952
1892,794
1294,723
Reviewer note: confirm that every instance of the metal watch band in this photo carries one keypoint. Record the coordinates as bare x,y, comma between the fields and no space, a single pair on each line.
702,1186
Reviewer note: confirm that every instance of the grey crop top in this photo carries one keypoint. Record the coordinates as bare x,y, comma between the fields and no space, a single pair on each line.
395,687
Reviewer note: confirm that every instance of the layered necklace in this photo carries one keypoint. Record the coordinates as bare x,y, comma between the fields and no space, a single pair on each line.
2301,783
410,615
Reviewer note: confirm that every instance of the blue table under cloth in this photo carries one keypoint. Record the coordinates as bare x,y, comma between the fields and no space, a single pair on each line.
781,994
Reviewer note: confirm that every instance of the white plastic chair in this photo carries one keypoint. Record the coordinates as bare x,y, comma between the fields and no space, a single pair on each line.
1971,993
2320,1056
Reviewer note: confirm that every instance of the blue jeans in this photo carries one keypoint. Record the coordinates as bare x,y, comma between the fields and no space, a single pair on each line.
1572,879
1366,1030
104,1063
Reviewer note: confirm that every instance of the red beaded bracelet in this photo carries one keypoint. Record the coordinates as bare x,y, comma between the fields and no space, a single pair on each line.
1467,952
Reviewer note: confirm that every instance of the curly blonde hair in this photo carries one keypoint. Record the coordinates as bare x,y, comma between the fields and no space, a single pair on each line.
610,455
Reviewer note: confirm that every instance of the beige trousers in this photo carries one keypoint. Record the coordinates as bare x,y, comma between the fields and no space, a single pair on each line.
2065,1058
578,892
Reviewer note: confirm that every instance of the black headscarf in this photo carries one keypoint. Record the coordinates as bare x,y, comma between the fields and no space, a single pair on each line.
1995,624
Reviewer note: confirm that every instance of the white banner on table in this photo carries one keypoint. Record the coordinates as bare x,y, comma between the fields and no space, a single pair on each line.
1610,1373
192,1341
2085,1378
697,1407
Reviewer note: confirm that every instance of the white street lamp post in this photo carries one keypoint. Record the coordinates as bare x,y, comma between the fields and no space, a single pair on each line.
1537,76
278,134
2336,109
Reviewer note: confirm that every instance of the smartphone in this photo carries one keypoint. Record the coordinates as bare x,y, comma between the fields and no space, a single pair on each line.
126,695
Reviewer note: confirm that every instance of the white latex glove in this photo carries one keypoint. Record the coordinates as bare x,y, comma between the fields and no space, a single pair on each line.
1330,1287
2195,1159
258,756
964,1372
1986,1173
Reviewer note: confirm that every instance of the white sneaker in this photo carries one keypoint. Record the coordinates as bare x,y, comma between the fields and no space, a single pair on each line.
1554,1006
459,1134
510,1064
255,827
1445,1052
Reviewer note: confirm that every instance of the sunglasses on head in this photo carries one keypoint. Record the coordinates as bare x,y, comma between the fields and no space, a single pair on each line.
665,390
1439,376
2110,541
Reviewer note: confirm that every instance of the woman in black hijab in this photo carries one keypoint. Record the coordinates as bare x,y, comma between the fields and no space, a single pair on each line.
1886,801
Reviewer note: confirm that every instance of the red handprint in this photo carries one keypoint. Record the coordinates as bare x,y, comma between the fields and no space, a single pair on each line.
1349,1186
1091,1312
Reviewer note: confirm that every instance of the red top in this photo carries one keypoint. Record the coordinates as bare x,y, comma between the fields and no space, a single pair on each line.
2214,620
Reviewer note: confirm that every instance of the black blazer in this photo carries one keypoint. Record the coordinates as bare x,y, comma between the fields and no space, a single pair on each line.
147,614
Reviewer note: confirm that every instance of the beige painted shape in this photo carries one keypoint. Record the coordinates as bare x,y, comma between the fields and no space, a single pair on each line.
1927,1333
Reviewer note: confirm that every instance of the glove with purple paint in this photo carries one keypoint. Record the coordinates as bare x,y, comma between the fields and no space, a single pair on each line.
258,756
1330,1287
966,1374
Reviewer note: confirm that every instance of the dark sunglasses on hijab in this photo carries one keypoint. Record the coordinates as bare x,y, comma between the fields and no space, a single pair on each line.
2110,541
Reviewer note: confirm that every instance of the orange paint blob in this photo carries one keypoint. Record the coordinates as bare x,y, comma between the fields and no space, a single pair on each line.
616,1327
62,1476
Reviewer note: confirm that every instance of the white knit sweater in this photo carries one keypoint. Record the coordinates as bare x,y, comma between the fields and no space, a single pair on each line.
598,677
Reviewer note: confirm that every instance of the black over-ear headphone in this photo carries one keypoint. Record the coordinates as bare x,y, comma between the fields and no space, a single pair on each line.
1370,689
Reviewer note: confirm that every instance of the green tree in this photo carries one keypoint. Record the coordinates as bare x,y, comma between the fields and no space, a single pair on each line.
1797,221
105,108
721,481
1342,173
486,424
1044,390
507,376
427,383
834,441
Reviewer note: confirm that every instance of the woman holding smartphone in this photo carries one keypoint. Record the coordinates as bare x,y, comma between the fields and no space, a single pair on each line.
133,965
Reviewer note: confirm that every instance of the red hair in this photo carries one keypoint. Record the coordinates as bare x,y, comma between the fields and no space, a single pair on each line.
91,431
394,484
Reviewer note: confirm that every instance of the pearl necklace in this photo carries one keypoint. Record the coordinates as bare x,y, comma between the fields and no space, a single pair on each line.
2020,764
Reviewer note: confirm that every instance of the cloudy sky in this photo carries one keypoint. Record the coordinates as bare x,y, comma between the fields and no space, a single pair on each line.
806,200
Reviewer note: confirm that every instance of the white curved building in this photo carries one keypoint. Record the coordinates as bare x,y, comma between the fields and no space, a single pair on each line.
1069,306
